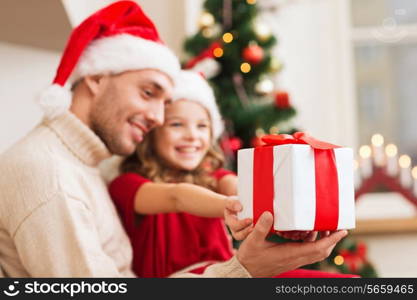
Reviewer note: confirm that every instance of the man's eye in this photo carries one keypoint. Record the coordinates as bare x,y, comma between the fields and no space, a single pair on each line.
148,93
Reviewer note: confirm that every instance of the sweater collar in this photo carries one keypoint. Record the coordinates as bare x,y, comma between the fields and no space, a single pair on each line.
79,139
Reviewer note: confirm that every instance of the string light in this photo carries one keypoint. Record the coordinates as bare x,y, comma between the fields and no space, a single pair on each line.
218,52
365,151
339,260
245,67
227,37
404,161
377,140
251,2
391,150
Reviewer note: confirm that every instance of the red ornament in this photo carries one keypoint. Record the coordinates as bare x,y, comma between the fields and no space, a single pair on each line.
231,144
253,54
354,259
282,99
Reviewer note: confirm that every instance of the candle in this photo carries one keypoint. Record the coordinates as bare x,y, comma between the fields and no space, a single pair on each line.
365,162
392,162
378,149
356,175
414,174
405,172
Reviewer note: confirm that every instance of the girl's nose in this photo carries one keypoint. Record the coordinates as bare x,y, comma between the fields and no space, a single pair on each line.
191,133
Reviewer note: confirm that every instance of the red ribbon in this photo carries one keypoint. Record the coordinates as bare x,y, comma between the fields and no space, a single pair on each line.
327,187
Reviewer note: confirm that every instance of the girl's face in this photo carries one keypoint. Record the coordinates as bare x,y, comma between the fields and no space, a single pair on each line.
184,139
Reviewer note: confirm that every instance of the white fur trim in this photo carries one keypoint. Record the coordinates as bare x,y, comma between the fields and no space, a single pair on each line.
55,100
124,52
191,86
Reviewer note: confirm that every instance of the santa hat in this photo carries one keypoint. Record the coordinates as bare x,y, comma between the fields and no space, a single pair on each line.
193,87
117,38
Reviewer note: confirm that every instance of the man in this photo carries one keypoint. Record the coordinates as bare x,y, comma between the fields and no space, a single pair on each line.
56,217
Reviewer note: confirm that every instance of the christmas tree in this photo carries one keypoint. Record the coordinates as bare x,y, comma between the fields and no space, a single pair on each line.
232,48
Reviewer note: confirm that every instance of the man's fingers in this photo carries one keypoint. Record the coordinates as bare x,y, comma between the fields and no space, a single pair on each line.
262,227
327,243
241,235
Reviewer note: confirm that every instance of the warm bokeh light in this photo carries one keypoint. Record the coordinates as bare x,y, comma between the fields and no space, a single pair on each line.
391,150
227,37
218,52
377,140
245,67
339,260
365,151
414,172
404,161
251,2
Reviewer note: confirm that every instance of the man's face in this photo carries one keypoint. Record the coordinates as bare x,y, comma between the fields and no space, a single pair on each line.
127,105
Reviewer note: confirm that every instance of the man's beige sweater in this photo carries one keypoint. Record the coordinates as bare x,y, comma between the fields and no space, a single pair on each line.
56,216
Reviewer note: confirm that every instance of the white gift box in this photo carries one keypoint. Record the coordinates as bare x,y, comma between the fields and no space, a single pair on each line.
292,168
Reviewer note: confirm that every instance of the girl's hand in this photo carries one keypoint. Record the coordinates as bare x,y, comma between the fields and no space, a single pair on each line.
307,236
239,228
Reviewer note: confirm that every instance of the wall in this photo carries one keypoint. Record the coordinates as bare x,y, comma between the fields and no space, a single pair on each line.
24,72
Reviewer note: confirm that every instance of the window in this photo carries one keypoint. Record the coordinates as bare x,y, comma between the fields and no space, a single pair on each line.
384,36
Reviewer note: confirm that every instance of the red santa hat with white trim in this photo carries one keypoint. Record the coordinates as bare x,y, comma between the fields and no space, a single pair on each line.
117,38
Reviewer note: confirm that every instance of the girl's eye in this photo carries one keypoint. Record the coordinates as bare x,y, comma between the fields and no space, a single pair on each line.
202,126
175,124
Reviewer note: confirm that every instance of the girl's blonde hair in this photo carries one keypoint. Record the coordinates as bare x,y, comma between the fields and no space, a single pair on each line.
146,162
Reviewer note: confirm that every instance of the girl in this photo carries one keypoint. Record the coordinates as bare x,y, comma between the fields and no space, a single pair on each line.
177,168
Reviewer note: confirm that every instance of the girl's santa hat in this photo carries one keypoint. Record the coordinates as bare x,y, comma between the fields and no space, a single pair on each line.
192,86
117,38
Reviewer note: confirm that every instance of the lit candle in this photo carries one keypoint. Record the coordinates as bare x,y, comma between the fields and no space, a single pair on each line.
356,174
378,149
414,174
405,172
366,162
392,162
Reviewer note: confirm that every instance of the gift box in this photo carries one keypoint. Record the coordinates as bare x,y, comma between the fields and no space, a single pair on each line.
305,183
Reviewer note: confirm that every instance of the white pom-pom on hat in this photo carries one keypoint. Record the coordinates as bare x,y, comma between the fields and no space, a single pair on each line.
55,100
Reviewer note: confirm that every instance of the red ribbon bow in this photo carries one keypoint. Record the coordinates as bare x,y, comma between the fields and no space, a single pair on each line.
296,138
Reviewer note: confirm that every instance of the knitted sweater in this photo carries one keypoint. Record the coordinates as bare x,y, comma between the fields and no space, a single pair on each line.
56,217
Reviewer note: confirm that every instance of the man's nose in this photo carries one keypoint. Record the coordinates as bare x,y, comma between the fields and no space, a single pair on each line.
155,114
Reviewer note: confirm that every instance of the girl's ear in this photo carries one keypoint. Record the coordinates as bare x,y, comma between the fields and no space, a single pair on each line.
94,83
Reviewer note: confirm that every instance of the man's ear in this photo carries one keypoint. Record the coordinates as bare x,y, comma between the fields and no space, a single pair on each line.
94,83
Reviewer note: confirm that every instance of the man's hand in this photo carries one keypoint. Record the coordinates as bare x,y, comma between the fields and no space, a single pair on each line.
239,228
266,259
